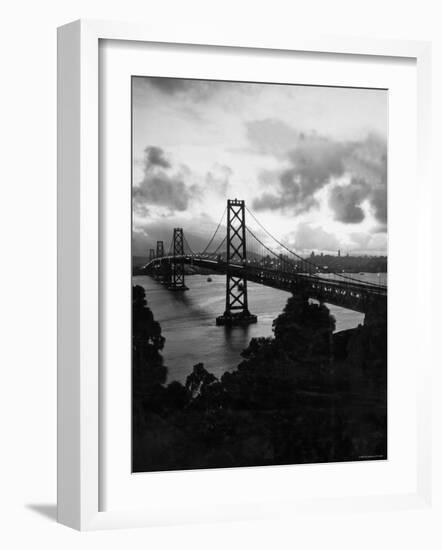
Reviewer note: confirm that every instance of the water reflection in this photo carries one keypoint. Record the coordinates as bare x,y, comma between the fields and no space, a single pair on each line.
237,336
188,323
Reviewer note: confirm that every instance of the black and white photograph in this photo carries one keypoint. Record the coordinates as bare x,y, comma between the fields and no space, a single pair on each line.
259,274
221,275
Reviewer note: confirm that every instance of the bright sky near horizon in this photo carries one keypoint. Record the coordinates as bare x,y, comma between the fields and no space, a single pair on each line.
310,162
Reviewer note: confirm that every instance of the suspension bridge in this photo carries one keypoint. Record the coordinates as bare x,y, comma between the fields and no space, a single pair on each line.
243,256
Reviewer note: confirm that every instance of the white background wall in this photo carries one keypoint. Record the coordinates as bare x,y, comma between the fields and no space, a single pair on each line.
28,267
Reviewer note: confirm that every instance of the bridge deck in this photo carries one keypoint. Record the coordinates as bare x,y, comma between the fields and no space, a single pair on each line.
344,293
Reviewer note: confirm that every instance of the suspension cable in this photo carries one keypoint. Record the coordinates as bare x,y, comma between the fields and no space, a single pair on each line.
220,245
188,245
261,243
312,264
216,231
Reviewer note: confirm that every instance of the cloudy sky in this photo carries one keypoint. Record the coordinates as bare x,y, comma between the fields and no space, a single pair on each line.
310,162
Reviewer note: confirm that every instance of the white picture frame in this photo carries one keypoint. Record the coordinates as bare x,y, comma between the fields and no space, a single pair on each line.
79,271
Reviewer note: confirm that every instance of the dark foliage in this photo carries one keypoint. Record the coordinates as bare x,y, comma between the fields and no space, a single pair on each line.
306,395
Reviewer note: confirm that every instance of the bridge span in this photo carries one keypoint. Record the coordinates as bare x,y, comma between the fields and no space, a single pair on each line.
296,275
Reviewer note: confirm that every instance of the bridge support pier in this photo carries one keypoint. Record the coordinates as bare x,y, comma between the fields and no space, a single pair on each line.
177,273
237,311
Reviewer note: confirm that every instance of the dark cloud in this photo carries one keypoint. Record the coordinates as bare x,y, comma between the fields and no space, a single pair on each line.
163,190
160,185
346,200
367,162
170,85
154,156
314,162
378,199
199,90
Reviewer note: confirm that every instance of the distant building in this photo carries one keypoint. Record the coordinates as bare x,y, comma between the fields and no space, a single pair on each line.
339,253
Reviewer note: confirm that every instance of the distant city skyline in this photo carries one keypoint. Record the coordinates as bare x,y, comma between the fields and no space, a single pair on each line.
311,162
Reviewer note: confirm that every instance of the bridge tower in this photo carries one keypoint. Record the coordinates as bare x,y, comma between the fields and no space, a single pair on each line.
160,249
237,311
151,254
177,273
159,268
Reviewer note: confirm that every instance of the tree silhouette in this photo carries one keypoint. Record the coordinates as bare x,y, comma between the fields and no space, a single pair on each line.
304,395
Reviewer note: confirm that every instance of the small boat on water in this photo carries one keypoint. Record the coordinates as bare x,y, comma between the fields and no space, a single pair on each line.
209,279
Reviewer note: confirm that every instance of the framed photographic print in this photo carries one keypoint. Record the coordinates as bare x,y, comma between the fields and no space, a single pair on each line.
232,220
258,344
